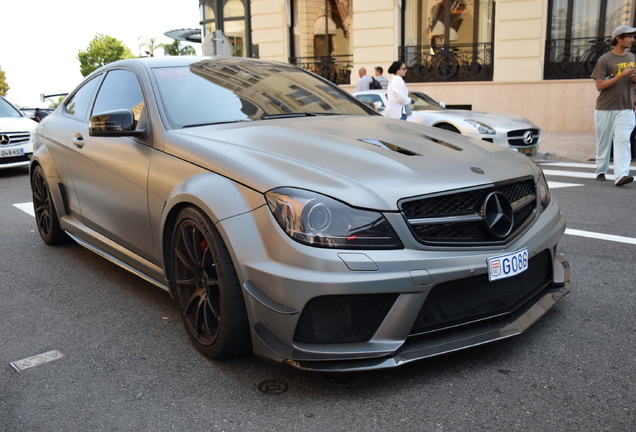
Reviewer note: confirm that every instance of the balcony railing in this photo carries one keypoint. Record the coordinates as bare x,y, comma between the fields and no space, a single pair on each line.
454,62
336,69
574,58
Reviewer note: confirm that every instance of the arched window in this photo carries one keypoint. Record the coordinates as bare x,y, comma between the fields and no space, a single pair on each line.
231,17
320,37
579,32
448,40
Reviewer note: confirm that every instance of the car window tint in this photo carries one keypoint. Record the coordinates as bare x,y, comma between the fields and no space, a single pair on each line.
424,103
120,90
373,98
77,105
6,110
218,92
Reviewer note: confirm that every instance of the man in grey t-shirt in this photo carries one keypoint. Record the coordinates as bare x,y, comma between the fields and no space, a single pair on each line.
615,75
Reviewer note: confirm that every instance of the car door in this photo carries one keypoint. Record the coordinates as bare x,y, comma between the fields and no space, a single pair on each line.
110,174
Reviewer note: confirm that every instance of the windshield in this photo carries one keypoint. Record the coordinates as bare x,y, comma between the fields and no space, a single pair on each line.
219,91
7,110
424,102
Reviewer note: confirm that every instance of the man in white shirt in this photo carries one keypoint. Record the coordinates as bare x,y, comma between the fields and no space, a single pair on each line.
380,78
364,82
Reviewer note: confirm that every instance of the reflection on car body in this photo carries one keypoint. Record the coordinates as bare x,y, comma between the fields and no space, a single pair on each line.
288,218
510,131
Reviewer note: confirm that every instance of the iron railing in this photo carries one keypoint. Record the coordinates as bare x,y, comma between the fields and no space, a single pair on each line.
336,69
574,58
454,62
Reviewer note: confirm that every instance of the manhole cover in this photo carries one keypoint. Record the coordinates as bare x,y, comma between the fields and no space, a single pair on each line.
273,387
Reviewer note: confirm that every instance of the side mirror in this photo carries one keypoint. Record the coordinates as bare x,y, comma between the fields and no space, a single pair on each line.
378,105
118,123
442,104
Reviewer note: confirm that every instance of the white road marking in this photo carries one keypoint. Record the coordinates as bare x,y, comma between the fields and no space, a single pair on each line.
576,174
556,185
576,165
26,207
594,235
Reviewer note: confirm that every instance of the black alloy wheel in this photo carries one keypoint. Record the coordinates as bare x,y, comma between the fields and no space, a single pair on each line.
44,208
206,287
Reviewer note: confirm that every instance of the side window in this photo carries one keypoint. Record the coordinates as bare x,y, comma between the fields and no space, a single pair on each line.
372,98
77,105
120,90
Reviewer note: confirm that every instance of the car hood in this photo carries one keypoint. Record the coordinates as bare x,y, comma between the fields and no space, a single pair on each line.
328,155
17,124
498,120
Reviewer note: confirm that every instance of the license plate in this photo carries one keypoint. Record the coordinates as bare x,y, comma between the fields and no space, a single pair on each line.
504,266
12,152
530,151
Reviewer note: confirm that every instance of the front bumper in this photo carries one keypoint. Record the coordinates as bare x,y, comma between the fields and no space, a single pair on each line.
282,278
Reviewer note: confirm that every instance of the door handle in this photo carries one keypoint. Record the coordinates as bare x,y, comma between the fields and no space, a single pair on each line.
78,140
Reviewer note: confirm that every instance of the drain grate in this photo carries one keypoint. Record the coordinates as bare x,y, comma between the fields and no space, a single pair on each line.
36,360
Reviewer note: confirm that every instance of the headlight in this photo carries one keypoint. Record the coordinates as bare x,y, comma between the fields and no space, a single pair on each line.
317,220
544,193
482,128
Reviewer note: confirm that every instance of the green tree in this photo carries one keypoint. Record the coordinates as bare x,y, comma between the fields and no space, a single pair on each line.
101,51
175,49
150,45
4,87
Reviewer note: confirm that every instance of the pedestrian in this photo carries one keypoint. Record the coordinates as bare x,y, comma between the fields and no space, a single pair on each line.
364,83
615,75
37,116
398,106
380,78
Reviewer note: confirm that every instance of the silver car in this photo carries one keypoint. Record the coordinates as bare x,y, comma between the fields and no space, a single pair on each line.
16,136
287,218
506,130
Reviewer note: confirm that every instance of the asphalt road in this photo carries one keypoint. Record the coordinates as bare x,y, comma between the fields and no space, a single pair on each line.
128,365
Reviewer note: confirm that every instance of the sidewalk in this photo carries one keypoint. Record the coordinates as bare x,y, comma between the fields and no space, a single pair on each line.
568,146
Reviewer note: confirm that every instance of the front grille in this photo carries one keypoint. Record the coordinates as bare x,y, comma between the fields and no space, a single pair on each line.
342,318
14,159
515,138
467,300
456,218
16,138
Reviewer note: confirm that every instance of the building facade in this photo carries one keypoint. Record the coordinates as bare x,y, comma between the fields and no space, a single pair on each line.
531,58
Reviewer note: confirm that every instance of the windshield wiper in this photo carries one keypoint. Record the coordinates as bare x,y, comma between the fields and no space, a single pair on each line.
215,123
289,115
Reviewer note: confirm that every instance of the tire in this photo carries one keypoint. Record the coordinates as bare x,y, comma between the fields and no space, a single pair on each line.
44,209
206,287
447,127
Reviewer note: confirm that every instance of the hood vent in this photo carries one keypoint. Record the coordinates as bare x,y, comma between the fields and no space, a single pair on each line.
445,144
389,146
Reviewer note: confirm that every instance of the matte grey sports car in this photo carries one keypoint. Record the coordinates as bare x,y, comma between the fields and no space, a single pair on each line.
285,216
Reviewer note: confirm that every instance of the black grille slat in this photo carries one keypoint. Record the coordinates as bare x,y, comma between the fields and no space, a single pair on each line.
343,318
466,300
465,203
515,138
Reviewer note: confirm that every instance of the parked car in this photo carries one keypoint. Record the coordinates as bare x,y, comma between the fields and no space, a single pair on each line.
16,136
30,112
510,131
286,217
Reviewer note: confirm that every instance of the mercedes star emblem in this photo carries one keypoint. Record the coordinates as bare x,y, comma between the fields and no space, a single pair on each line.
498,215
4,139
528,137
